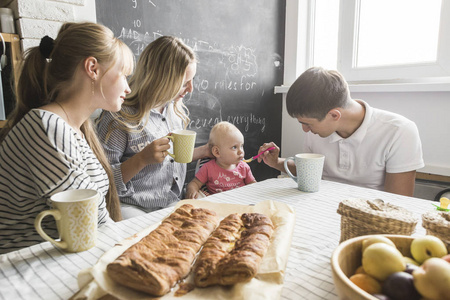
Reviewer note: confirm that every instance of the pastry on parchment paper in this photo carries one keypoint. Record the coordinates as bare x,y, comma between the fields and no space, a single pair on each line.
164,257
234,251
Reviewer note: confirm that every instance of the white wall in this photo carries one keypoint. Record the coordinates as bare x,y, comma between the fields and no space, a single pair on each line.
86,12
431,113
37,18
291,134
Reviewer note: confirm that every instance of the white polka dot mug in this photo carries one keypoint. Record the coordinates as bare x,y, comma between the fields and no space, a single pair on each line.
309,168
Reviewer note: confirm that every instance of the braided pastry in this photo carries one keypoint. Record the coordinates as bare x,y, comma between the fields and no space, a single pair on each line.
164,257
234,251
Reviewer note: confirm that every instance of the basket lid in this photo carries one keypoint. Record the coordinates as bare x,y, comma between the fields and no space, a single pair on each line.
363,208
436,218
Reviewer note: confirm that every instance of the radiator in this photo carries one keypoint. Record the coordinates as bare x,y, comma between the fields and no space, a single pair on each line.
427,189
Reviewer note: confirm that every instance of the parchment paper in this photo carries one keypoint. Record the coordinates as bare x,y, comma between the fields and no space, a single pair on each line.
267,284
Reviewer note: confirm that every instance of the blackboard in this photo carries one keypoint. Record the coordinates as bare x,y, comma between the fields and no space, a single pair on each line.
240,47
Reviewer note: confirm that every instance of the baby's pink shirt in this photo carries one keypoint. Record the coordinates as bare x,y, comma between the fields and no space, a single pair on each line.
219,180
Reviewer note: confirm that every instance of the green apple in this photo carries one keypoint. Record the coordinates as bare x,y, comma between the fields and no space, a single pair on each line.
432,279
381,260
424,247
376,239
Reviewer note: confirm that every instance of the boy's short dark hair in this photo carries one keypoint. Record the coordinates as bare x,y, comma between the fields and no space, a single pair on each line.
316,92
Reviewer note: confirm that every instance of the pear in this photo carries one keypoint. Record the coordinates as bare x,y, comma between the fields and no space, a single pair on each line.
376,239
409,260
381,260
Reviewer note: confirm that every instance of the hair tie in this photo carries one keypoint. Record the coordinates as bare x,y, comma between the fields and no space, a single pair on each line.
46,46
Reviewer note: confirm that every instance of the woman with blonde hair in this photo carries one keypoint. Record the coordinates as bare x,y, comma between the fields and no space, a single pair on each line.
134,138
49,144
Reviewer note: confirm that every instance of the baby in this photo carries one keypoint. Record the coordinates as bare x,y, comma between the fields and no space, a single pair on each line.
227,171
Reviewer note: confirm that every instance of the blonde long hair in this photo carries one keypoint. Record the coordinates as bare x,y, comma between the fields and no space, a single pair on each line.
40,82
157,79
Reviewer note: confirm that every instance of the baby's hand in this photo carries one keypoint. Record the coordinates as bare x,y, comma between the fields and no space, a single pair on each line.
191,194
192,188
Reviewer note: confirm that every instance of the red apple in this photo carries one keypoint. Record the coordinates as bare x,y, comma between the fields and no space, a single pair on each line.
432,279
446,257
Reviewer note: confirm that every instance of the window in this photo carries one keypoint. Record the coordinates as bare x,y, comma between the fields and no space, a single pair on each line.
376,41
383,38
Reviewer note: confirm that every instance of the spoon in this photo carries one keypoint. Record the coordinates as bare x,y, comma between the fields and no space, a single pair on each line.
256,156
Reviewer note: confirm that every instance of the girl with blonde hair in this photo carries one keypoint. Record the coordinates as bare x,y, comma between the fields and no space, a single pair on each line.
49,144
134,138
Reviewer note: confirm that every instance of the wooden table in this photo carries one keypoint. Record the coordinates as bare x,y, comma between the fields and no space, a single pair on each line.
45,272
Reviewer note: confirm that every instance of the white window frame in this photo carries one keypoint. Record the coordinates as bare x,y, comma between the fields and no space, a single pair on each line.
298,53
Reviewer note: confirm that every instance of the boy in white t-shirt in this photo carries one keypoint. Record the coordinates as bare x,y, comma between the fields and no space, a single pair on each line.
362,145
227,171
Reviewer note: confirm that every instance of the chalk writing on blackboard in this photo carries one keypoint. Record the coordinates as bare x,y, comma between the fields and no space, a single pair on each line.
238,66
244,120
239,63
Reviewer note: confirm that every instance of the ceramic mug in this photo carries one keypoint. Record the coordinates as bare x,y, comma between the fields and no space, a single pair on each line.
183,145
309,168
76,215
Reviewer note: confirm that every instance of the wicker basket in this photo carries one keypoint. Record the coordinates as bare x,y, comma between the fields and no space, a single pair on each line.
363,217
437,223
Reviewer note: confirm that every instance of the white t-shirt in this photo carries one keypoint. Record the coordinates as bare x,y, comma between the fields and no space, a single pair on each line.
385,142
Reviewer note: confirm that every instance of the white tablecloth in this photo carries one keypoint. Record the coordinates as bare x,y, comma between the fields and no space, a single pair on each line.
45,272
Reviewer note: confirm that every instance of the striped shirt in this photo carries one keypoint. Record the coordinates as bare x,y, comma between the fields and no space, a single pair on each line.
40,156
156,185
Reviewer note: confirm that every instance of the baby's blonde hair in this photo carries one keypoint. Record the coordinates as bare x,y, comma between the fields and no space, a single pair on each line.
223,127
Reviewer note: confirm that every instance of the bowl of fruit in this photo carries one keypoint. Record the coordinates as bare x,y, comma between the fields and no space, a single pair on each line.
392,267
